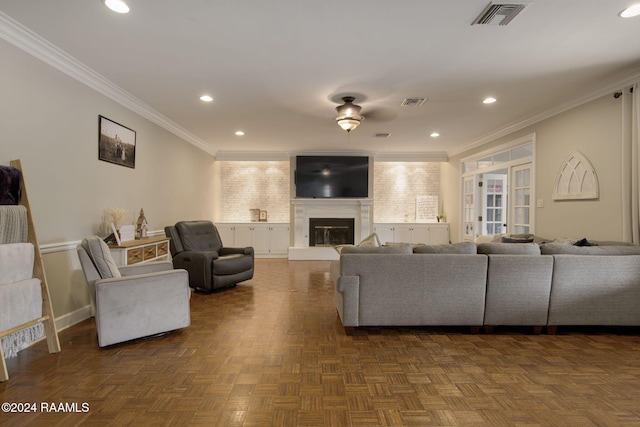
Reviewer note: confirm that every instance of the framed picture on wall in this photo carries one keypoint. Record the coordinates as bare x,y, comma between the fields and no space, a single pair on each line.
116,143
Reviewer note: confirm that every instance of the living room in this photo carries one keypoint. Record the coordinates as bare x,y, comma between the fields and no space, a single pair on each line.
50,122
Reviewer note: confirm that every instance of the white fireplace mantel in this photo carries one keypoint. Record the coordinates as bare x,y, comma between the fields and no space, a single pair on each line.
360,210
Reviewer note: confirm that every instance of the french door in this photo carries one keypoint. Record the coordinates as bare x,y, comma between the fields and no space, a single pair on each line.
494,210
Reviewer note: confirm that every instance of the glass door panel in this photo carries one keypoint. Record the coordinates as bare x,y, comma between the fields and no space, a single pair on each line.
521,199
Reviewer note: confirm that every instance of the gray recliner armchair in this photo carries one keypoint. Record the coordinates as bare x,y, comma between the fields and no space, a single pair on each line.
196,247
133,301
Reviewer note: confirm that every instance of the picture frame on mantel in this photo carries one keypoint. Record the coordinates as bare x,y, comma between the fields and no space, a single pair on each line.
116,143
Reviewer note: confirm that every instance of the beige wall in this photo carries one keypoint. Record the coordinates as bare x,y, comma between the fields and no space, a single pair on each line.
595,130
50,122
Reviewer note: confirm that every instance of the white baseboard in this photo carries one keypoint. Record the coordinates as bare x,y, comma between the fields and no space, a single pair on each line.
75,317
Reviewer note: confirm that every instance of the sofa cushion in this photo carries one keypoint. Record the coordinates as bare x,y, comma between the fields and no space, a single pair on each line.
455,248
509,248
395,249
232,264
99,253
516,240
561,248
371,241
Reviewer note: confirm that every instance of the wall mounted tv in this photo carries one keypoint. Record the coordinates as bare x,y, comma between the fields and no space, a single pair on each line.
332,176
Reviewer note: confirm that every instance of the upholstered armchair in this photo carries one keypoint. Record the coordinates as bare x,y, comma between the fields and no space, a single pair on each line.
196,247
133,301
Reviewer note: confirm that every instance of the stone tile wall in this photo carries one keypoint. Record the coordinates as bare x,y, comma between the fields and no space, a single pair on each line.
396,186
265,185
249,185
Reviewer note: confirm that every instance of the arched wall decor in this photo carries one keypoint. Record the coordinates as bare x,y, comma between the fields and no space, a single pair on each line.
576,179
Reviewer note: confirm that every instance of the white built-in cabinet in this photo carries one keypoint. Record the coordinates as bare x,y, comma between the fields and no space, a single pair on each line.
430,234
269,240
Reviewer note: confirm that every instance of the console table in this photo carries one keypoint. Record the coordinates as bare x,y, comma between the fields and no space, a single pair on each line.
141,250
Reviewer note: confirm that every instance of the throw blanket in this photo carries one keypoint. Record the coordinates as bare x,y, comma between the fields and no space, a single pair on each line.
10,185
13,229
13,224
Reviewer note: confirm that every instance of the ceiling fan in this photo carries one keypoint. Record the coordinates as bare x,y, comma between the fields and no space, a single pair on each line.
349,116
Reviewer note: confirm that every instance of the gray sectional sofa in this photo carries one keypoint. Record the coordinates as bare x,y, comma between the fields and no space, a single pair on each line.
487,285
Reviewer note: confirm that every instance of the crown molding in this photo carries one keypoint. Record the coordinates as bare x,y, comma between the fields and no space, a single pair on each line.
23,38
622,81
432,156
247,156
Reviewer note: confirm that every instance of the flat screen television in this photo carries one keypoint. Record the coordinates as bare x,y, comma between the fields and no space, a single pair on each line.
332,176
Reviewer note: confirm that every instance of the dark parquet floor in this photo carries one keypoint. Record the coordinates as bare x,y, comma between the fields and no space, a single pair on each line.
271,352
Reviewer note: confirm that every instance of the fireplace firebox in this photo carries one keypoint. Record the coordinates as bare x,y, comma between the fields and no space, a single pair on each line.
331,231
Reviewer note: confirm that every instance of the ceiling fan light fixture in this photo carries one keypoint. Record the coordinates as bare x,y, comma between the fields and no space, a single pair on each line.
348,124
631,11
349,116
118,6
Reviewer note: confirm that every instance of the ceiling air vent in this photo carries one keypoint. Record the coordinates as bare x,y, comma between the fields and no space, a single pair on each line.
413,102
381,135
499,14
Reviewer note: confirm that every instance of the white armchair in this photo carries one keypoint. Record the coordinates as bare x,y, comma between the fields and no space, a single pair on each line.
133,301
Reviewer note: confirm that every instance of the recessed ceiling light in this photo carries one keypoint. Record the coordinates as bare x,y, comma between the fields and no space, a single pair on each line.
489,100
116,5
631,11
206,98
239,133
435,135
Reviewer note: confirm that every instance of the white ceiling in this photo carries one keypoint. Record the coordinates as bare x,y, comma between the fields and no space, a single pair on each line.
277,69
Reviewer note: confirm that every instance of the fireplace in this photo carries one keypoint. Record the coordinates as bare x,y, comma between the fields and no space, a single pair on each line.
358,210
331,231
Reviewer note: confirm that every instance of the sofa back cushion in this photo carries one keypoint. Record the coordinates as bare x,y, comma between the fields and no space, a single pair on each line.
101,257
199,236
395,249
566,249
454,248
509,248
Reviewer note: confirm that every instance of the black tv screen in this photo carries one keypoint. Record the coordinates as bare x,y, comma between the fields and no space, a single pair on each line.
332,176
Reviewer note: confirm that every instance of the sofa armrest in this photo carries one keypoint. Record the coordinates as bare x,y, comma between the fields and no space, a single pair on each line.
242,251
199,264
137,306
347,298
149,267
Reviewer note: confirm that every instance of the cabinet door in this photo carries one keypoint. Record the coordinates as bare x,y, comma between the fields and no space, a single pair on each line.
261,237
384,232
403,234
243,236
439,234
280,240
419,234
227,232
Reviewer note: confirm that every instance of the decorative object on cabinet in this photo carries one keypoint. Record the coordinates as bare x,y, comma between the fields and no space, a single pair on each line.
133,301
140,250
196,246
141,225
263,216
127,233
254,214
25,303
116,143
426,208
